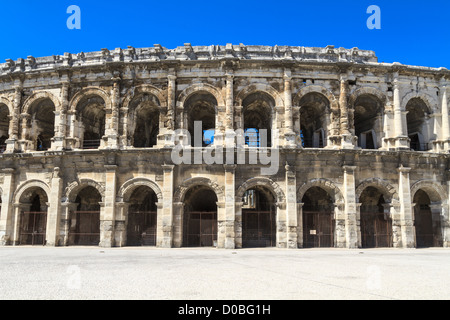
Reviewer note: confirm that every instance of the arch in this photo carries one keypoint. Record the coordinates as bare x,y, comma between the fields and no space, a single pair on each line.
263,182
367,91
90,91
30,184
325,184
181,191
39,96
128,187
431,103
388,191
259,87
334,103
434,191
135,92
75,187
196,88
8,103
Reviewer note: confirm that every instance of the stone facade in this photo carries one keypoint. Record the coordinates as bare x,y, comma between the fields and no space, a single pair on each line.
353,134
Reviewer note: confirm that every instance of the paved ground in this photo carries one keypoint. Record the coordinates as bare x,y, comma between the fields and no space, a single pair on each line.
210,274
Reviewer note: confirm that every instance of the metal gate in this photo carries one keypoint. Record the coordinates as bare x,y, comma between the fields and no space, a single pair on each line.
141,229
376,229
200,229
318,229
423,222
87,228
259,229
33,227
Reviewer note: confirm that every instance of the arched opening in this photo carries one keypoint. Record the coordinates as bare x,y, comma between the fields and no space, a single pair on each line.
144,121
42,124
258,111
201,109
368,121
4,126
85,221
318,219
426,222
200,218
142,215
376,224
313,120
417,123
33,217
258,219
91,120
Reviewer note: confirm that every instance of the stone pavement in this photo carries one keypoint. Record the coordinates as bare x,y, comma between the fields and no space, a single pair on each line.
210,274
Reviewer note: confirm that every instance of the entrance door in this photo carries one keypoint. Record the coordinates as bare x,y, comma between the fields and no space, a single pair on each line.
318,229
376,231
33,228
259,229
141,228
424,227
201,229
87,229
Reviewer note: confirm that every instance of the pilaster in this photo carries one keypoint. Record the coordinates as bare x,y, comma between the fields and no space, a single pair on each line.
406,212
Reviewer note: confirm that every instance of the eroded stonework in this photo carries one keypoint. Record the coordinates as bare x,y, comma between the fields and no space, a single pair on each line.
87,143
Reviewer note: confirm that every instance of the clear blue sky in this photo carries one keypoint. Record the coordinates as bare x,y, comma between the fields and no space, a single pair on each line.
412,32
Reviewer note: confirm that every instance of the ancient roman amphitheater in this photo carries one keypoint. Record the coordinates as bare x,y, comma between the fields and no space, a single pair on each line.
360,149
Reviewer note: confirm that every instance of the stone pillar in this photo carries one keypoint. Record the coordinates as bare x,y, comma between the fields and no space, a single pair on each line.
18,209
289,134
238,229
54,210
165,237
340,233
406,212
107,216
230,215
178,216
113,132
7,208
59,140
229,118
348,141
401,138
12,142
24,142
291,208
351,234
171,107
445,129
120,234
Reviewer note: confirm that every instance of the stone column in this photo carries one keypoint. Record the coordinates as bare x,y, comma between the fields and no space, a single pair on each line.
281,225
348,141
445,129
12,142
340,233
66,211
401,138
123,139
166,234
238,225
291,208
24,142
230,215
18,209
113,132
54,210
59,140
229,118
107,216
171,107
406,212
351,234
289,133
7,208
178,215
120,234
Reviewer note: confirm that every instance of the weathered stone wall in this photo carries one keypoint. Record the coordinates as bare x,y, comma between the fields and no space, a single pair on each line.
284,80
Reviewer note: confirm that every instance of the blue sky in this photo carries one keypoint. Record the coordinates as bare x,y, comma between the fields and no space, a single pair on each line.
412,32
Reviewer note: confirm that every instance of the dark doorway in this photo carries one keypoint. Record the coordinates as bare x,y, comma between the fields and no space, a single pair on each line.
200,218
318,219
85,222
376,225
33,223
258,219
428,228
142,218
